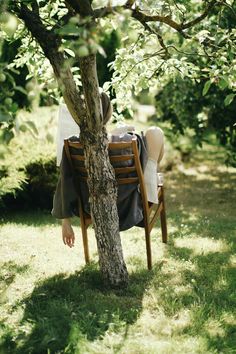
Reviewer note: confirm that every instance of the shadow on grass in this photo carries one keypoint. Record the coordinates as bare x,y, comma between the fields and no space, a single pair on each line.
8,272
64,311
201,208
207,291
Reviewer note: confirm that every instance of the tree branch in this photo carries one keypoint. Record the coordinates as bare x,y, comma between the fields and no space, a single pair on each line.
130,3
82,7
50,44
105,11
179,27
160,39
35,7
202,16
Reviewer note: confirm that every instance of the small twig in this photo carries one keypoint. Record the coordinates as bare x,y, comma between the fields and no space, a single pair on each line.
186,53
159,37
156,71
139,62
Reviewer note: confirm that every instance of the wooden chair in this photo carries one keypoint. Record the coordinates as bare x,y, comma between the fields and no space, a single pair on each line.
150,211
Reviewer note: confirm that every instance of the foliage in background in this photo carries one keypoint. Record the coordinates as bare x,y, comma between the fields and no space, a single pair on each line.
181,72
28,172
110,42
182,104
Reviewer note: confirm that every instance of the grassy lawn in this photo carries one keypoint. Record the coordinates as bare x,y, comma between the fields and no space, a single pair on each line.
51,303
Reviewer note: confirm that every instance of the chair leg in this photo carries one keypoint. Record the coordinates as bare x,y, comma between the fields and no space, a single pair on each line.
163,220
84,234
148,248
85,242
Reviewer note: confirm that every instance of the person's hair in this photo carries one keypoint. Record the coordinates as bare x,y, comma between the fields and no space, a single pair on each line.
106,107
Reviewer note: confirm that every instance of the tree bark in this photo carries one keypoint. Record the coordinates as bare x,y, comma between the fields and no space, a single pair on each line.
101,180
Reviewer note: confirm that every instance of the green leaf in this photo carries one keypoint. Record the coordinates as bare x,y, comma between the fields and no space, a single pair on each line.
206,87
223,83
23,128
20,89
4,117
229,98
70,52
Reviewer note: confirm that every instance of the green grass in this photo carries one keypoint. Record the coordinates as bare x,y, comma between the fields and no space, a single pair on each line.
52,303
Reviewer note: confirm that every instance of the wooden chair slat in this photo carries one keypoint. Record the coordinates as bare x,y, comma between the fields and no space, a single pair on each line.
120,145
128,180
78,157
121,170
116,158
81,169
75,145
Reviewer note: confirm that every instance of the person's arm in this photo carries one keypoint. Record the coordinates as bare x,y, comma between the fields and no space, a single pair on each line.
68,235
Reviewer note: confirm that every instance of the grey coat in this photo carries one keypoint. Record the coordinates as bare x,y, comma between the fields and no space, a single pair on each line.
129,204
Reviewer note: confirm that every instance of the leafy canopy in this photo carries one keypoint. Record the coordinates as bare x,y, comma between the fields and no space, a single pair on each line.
161,41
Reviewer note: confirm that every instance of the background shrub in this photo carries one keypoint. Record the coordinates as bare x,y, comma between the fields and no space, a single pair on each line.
28,172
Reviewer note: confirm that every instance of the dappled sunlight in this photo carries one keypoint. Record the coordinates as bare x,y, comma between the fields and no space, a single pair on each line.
229,318
198,173
221,284
215,328
232,260
185,304
135,342
134,247
158,323
181,320
201,245
175,266
226,169
21,247
183,290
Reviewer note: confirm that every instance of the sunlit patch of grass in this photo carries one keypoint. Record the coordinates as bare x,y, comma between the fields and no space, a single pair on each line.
202,245
198,173
214,328
228,318
232,260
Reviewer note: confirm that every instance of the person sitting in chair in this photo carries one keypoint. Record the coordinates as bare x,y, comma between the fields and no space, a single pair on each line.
65,201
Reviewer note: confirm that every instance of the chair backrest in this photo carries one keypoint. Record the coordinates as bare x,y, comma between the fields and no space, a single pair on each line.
124,157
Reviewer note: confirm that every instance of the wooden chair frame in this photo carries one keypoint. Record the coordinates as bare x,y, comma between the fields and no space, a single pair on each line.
151,211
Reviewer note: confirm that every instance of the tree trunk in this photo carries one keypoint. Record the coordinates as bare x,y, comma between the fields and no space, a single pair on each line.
103,194
101,180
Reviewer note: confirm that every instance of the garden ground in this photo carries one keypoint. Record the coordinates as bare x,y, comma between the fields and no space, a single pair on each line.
52,303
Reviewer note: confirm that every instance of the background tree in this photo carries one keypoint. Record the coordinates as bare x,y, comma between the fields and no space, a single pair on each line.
68,32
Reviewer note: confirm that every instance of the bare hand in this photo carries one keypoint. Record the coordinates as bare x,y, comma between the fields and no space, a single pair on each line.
68,235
